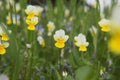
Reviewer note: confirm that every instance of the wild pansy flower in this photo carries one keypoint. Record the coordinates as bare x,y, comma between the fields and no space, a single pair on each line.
60,38
114,42
105,25
40,29
41,41
32,11
67,12
3,35
17,7
51,27
80,41
16,19
9,19
32,23
3,41
92,3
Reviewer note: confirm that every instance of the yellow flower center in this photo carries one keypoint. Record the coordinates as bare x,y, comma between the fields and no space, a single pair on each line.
2,49
82,48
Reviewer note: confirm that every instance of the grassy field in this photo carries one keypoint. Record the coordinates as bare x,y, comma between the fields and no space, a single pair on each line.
67,40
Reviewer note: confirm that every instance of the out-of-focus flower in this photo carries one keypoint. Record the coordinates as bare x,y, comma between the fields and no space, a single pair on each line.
41,41
92,3
67,12
9,19
28,45
60,38
51,28
16,19
1,3
40,29
3,77
17,7
71,18
3,35
32,23
104,4
32,11
64,73
93,31
105,25
114,43
80,41
3,47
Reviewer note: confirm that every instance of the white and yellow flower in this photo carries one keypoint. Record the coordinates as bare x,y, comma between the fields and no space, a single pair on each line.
32,23
41,41
80,41
105,25
60,38
32,11
51,28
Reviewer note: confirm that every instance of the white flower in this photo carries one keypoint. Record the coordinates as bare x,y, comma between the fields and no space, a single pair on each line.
28,45
41,41
17,7
34,10
3,77
80,41
91,2
104,4
51,27
60,38
67,12
105,25
60,35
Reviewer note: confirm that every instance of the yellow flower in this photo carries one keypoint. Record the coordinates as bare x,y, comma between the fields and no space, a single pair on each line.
105,25
50,27
32,11
9,20
2,49
80,41
32,23
41,41
4,37
114,43
60,38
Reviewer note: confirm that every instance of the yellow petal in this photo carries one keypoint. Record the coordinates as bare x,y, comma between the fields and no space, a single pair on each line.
2,50
5,37
114,44
82,48
31,27
105,28
59,44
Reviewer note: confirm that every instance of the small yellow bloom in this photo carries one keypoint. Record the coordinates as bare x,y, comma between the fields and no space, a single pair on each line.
60,38
2,49
114,44
32,23
5,37
80,41
9,20
105,25
32,11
